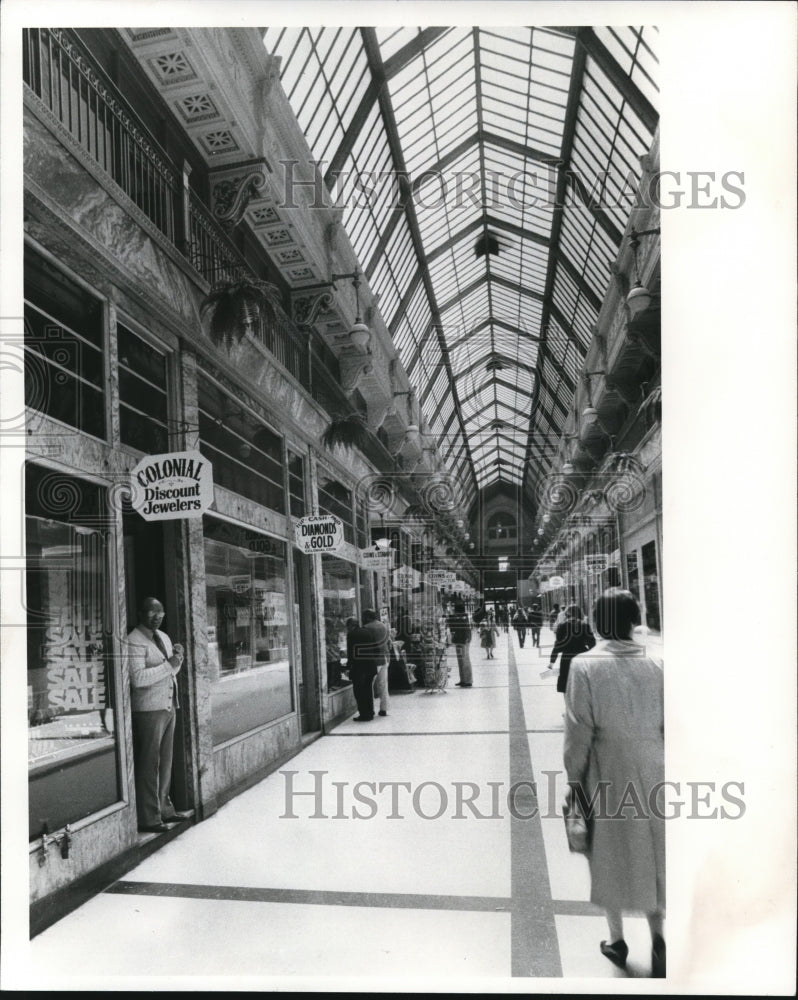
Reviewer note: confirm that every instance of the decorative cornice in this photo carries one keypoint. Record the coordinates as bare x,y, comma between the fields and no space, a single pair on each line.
231,196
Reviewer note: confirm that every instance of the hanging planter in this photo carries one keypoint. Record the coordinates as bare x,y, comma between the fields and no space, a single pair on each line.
234,309
350,431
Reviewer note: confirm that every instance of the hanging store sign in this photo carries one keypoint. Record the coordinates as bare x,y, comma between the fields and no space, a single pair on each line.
174,485
439,577
405,578
555,582
319,533
596,563
375,560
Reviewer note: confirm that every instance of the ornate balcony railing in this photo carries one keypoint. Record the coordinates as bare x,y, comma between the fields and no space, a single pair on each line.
76,93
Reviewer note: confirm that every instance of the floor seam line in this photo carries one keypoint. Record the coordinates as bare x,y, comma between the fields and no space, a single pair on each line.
534,945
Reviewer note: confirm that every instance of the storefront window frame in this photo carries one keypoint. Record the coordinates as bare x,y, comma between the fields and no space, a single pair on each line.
113,648
105,307
134,327
292,639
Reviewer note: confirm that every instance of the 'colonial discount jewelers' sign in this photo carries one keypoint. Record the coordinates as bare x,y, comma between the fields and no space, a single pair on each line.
177,484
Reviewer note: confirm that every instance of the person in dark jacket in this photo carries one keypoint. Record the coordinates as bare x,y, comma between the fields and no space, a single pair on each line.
535,616
572,637
520,624
368,653
460,630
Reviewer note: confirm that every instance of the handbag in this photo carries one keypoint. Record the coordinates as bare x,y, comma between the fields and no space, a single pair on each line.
577,829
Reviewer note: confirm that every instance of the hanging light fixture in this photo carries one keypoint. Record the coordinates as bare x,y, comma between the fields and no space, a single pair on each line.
359,334
639,297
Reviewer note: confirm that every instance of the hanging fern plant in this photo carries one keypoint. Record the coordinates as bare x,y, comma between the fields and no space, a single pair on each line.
234,309
350,431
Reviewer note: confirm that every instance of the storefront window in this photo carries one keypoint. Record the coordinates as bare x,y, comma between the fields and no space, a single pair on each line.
339,584
142,394
64,348
335,498
296,484
248,640
633,574
247,456
651,586
72,746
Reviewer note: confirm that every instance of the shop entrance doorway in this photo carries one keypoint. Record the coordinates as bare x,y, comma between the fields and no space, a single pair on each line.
307,677
150,548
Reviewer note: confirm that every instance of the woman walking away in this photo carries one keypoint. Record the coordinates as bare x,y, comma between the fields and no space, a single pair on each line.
571,638
614,758
487,635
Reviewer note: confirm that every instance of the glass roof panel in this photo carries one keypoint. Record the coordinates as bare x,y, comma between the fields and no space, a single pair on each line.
512,83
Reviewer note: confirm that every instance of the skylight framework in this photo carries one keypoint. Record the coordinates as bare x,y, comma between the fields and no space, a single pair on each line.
487,126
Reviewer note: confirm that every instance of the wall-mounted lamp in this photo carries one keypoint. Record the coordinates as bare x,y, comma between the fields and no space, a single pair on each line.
359,335
590,418
639,297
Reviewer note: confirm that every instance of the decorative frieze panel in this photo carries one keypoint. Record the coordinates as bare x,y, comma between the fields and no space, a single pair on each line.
219,141
197,108
263,216
172,67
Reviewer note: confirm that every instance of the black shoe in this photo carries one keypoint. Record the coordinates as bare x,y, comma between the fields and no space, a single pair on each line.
383,712
363,718
155,828
177,816
462,684
615,952
657,957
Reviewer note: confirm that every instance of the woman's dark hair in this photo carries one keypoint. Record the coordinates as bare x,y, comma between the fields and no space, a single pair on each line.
615,614
573,611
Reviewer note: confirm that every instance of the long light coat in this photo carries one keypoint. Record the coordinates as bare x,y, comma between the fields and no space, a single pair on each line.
614,734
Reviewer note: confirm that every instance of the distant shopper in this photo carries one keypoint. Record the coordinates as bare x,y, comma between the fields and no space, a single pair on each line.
460,631
381,637
153,666
399,674
614,751
479,614
367,654
487,635
501,616
554,614
520,624
572,637
535,617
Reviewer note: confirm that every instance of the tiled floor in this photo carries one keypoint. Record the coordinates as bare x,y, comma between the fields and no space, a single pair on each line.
395,853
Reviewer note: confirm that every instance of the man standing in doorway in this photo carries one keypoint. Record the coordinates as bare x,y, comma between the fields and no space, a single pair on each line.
153,665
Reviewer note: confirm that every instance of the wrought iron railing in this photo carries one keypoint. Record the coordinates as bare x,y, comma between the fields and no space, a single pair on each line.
76,93
87,104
